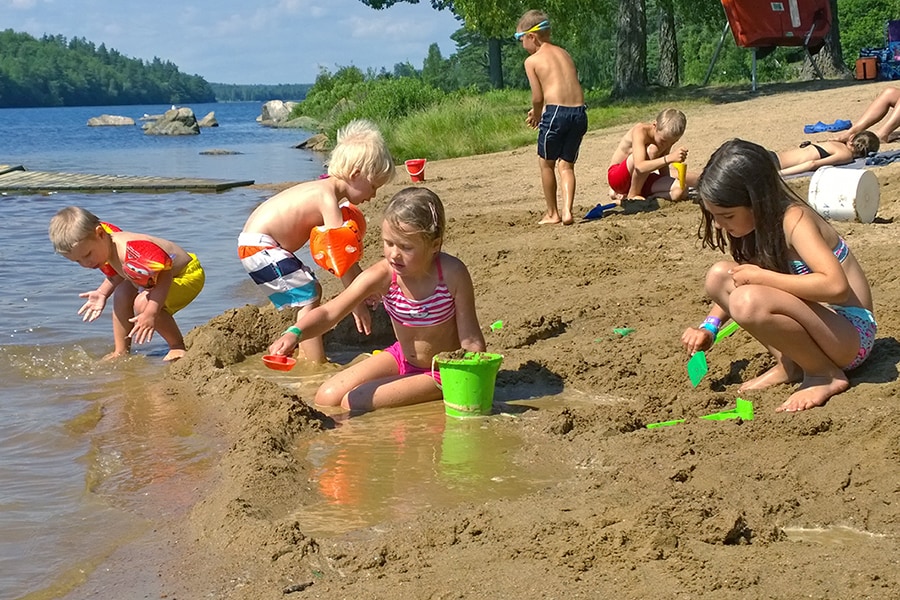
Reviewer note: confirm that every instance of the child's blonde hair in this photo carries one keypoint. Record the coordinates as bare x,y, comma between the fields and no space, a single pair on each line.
361,147
671,122
532,18
71,225
417,210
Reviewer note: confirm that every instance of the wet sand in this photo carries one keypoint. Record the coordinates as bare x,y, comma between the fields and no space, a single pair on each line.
783,506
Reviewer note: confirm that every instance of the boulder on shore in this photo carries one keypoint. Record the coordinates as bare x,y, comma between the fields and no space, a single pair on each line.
177,121
209,120
318,143
276,113
109,120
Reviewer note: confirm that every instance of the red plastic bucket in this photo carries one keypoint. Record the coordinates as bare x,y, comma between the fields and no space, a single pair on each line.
416,169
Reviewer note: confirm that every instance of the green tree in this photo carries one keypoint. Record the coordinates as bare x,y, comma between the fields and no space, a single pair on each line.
52,71
863,25
438,72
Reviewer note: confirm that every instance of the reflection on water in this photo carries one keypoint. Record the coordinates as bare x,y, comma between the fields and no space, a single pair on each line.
139,453
89,450
398,463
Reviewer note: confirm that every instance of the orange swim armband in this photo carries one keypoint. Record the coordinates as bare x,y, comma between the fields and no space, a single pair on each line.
339,248
144,261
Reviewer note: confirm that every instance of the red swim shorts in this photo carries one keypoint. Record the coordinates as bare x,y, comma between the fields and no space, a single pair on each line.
619,179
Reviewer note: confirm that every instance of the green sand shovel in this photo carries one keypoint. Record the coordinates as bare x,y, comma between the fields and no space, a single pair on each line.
697,366
743,410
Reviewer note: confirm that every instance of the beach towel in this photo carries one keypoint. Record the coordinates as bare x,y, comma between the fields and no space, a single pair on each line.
859,163
819,127
879,159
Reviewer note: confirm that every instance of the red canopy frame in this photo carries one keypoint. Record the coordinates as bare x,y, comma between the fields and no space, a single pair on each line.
764,25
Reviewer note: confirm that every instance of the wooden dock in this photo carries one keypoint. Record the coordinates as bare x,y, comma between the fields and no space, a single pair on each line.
18,180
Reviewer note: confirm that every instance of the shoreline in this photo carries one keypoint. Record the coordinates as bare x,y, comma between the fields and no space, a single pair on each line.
702,509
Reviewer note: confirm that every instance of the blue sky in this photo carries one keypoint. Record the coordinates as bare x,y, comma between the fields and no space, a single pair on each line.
245,41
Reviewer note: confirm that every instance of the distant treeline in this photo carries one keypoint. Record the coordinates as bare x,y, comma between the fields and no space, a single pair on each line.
229,92
52,71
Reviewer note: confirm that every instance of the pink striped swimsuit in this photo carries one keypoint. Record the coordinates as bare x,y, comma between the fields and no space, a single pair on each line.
409,312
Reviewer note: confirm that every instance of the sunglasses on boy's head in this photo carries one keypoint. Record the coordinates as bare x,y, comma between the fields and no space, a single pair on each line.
539,27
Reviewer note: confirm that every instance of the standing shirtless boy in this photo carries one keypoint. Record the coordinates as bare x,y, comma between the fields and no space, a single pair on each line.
557,111
640,166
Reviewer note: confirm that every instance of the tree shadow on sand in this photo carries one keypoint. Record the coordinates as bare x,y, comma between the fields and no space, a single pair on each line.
741,92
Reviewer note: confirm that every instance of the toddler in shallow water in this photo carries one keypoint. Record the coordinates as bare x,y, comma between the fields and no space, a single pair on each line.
152,278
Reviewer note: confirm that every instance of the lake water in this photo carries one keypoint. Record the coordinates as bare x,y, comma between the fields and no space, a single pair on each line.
76,435
88,456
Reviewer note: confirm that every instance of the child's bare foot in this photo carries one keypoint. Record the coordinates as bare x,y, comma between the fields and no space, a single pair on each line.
549,220
567,218
114,356
815,391
774,376
615,196
173,355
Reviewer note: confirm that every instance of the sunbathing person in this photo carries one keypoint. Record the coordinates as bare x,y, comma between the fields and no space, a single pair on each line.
810,156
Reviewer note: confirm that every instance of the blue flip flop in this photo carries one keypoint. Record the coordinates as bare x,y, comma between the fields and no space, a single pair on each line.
819,127
839,125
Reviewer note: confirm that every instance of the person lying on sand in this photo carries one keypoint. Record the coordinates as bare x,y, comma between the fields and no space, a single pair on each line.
809,156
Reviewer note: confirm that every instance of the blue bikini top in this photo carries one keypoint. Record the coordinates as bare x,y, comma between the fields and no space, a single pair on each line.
841,251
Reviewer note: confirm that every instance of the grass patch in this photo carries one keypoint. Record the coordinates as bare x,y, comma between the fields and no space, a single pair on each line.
419,121
467,125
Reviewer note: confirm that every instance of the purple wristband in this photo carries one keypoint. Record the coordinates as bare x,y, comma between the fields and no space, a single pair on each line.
714,321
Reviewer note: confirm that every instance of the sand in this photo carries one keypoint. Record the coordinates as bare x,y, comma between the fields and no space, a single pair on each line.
698,510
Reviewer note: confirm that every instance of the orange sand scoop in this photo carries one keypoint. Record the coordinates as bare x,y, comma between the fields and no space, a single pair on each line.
278,362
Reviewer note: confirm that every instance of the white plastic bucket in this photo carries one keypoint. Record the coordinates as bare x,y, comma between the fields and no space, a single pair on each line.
844,194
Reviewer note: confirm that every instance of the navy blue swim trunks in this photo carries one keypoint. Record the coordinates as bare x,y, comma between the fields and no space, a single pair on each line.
561,131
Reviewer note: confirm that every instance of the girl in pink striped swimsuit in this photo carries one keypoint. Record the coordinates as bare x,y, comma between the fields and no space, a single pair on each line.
429,297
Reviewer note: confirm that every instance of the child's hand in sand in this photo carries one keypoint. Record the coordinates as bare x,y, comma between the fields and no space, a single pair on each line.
284,346
695,339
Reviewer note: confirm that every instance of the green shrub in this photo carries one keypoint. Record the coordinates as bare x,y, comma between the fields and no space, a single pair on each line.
384,101
328,91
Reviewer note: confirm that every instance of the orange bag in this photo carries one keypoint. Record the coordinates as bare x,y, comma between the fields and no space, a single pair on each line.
338,249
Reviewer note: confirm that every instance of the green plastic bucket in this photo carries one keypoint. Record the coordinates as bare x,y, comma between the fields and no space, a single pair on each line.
468,383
